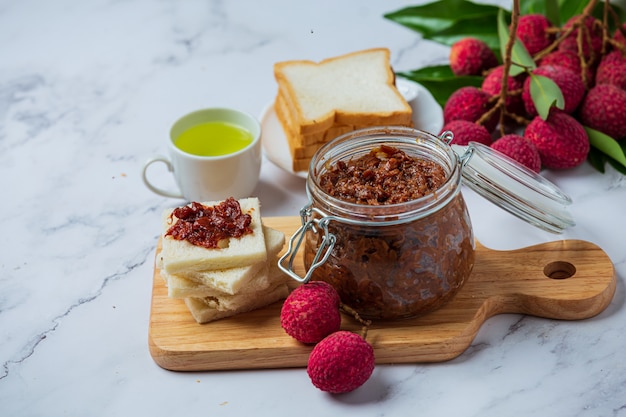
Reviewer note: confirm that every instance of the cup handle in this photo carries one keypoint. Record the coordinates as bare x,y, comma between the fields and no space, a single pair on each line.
157,190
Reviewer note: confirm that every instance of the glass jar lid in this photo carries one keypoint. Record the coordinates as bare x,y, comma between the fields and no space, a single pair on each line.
513,187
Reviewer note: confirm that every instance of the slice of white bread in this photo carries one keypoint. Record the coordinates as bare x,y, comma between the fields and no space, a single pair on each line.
352,89
227,281
231,280
180,256
205,310
311,139
269,276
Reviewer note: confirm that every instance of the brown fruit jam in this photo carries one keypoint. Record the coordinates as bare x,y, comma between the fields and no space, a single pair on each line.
403,244
208,226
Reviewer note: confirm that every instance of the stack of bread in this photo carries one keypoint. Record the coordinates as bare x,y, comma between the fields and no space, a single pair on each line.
317,102
239,275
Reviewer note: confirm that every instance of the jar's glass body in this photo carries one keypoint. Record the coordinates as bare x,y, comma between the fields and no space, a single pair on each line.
392,261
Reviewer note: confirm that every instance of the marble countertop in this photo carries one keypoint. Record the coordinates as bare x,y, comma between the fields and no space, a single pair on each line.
88,91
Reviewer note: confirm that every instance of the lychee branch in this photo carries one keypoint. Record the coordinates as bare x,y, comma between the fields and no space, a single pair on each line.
500,104
576,24
607,40
562,35
357,317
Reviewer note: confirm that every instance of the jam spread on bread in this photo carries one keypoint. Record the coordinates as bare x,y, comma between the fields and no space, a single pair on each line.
207,226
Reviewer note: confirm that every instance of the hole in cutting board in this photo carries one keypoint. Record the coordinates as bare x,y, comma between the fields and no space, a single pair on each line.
559,270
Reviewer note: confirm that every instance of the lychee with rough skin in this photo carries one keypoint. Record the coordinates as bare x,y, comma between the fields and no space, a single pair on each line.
604,109
532,32
519,149
561,140
341,362
492,84
612,70
466,132
591,40
571,86
311,312
471,56
571,61
470,103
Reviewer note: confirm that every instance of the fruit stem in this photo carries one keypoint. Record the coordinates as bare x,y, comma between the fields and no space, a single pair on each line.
587,11
507,62
582,35
501,101
357,317
608,40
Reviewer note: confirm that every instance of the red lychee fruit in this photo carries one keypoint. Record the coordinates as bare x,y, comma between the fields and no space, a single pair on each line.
492,84
569,60
612,70
520,149
340,363
531,31
311,312
471,56
470,103
466,132
571,86
604,109
561,140
591,41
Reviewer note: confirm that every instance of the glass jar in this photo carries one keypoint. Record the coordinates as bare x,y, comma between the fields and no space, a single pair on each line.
404,260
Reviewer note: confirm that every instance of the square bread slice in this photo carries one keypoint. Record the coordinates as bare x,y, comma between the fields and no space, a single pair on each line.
228,281
270,275
350,89
180,256
204,310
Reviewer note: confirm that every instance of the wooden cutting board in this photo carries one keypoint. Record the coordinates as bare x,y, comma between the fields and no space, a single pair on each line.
566,279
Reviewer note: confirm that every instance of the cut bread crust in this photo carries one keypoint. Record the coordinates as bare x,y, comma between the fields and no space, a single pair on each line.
181,256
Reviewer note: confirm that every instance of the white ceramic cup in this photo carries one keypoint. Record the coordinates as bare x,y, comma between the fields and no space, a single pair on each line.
211,178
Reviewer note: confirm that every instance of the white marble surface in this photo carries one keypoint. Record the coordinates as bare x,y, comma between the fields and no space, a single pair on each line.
88,91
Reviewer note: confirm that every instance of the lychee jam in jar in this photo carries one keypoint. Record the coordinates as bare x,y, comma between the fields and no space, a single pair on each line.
389,228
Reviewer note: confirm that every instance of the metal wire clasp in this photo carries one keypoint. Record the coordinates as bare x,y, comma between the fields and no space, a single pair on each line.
326,246
463,152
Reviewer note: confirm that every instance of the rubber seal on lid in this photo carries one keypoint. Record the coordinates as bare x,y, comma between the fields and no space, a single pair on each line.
514,188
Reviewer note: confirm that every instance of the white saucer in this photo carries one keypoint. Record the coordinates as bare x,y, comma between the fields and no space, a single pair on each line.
427,116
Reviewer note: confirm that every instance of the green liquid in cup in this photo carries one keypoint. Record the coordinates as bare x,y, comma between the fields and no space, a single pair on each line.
213,139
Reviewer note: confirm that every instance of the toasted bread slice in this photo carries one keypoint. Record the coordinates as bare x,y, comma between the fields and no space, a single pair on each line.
351,89
180,256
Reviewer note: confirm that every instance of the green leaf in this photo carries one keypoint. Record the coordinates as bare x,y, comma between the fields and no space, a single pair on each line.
482,28
440,81
532,7
597,159
545,94
552,12
618,167
447,21
570,8
607,145
520,58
